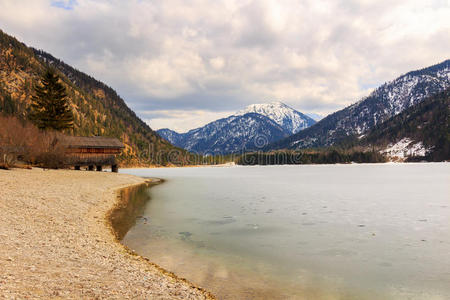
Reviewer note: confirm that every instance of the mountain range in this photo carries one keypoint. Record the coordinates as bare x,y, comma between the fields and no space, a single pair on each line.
385,102
229,135
250,129
348,126
409,113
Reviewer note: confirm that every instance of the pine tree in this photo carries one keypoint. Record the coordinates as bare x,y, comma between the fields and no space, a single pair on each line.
9,106
50,107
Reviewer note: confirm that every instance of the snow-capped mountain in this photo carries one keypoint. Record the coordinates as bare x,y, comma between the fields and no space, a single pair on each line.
385,102
249,129
291,120
228,135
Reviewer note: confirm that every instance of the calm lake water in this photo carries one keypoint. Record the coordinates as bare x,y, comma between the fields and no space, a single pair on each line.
373,231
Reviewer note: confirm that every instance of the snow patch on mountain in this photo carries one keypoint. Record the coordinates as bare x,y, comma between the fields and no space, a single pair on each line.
405,148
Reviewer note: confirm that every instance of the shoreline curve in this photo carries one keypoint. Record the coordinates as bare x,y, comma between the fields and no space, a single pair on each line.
121,204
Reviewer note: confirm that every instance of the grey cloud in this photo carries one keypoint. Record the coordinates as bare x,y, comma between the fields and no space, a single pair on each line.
206,102
219,56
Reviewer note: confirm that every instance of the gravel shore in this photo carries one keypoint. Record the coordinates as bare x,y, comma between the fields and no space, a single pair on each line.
56,242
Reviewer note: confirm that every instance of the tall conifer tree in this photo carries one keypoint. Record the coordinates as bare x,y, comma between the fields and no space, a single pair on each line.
50,107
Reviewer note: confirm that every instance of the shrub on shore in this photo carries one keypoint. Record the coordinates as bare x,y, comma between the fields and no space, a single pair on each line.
21,141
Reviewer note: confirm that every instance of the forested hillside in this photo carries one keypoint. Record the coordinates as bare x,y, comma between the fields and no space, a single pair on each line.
97,108
426,123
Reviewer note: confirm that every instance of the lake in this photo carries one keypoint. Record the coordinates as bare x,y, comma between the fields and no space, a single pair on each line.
369,231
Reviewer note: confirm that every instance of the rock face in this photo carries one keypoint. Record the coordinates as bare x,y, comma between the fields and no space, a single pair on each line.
385,102
252,128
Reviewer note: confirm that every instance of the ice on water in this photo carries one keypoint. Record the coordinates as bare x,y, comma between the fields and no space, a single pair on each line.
378,230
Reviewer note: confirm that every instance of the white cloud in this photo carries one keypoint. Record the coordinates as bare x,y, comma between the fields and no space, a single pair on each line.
192,56
217,63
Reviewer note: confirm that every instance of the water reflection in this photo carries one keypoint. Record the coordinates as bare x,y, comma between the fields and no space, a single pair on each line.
130,209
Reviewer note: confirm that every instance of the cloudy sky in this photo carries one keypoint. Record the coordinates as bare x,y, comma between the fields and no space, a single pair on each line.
183,63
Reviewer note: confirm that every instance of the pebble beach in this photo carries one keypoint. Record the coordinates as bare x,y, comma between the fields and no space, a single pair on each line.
57,242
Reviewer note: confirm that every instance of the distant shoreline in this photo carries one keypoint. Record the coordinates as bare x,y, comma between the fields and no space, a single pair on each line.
230,164
58,243
292,165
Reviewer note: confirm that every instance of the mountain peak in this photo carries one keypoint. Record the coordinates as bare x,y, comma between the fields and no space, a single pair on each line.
287,117
271,105
249,129
233,134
